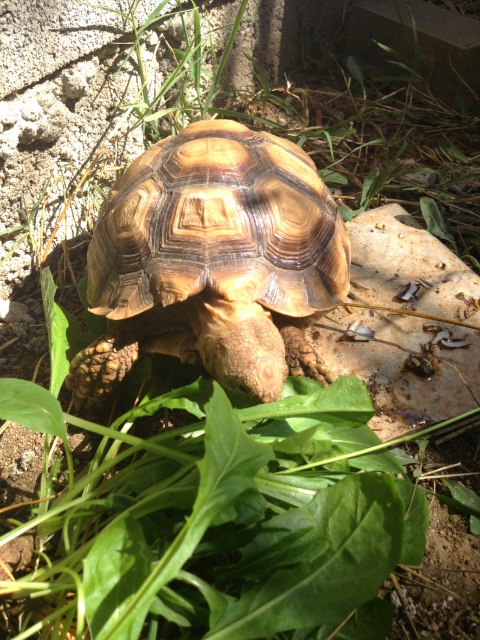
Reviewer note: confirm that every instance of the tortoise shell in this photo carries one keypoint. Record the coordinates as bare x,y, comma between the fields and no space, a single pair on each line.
241,212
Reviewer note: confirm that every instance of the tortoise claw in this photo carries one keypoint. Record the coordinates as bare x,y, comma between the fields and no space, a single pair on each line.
301,358
98,369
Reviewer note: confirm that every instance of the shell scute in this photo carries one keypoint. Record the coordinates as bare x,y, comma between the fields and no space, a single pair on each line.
219,206
209,160
293,168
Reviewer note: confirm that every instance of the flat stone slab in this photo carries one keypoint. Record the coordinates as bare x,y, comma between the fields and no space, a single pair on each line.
412,380
448,43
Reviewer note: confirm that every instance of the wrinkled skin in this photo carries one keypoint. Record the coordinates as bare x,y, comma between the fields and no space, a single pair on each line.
241,348
238,344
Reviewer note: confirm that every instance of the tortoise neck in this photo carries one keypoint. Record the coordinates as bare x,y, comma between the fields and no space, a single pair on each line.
212,313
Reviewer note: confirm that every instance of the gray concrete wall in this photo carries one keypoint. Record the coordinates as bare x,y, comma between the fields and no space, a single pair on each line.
39,38
62,82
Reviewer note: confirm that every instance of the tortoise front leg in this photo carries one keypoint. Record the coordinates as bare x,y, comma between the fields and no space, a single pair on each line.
97,370
301,357
181,345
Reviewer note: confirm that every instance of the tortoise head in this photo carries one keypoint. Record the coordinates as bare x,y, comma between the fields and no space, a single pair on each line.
241,348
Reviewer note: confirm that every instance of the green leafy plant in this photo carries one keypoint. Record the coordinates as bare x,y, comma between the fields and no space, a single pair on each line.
190,90
246,523
437,224
23,231
288,482
302,539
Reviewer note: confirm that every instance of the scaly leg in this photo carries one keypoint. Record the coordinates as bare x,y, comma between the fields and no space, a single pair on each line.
97,370
301,358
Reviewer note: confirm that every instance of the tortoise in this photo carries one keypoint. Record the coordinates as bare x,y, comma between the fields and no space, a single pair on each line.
214,247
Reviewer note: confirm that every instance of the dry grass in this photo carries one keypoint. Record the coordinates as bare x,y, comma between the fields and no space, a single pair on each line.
396,145
470,8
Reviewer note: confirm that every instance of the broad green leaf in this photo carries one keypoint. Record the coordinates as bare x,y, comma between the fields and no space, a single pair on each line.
63,331
228,469
437,224
345,401
220,541
249,507
172,606
328,175
31,406
291,537
356,72
285,539
362,528
305,442
114,568
300,386
416,523
231,458
146,474
190,398
322,441
402,456
468,499
347,440
452,152
349,214
371,621
292,490
217,601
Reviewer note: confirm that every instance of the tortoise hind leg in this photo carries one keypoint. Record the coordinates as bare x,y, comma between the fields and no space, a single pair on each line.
97,370
301,358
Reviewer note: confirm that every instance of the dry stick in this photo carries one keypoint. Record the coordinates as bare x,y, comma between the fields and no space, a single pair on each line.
404,602
425,582
67,263
455,433
5,345
69,202
404,312
17,505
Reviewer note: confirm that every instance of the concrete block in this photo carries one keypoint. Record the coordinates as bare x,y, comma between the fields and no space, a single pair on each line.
38,38
449,43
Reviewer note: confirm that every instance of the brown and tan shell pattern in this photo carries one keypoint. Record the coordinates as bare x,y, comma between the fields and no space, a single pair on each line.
220,206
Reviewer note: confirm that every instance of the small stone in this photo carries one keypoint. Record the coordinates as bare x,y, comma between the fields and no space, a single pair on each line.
54,123
31,110
152,39
28,132
422,177
75,81
14,312
8,112
9,142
